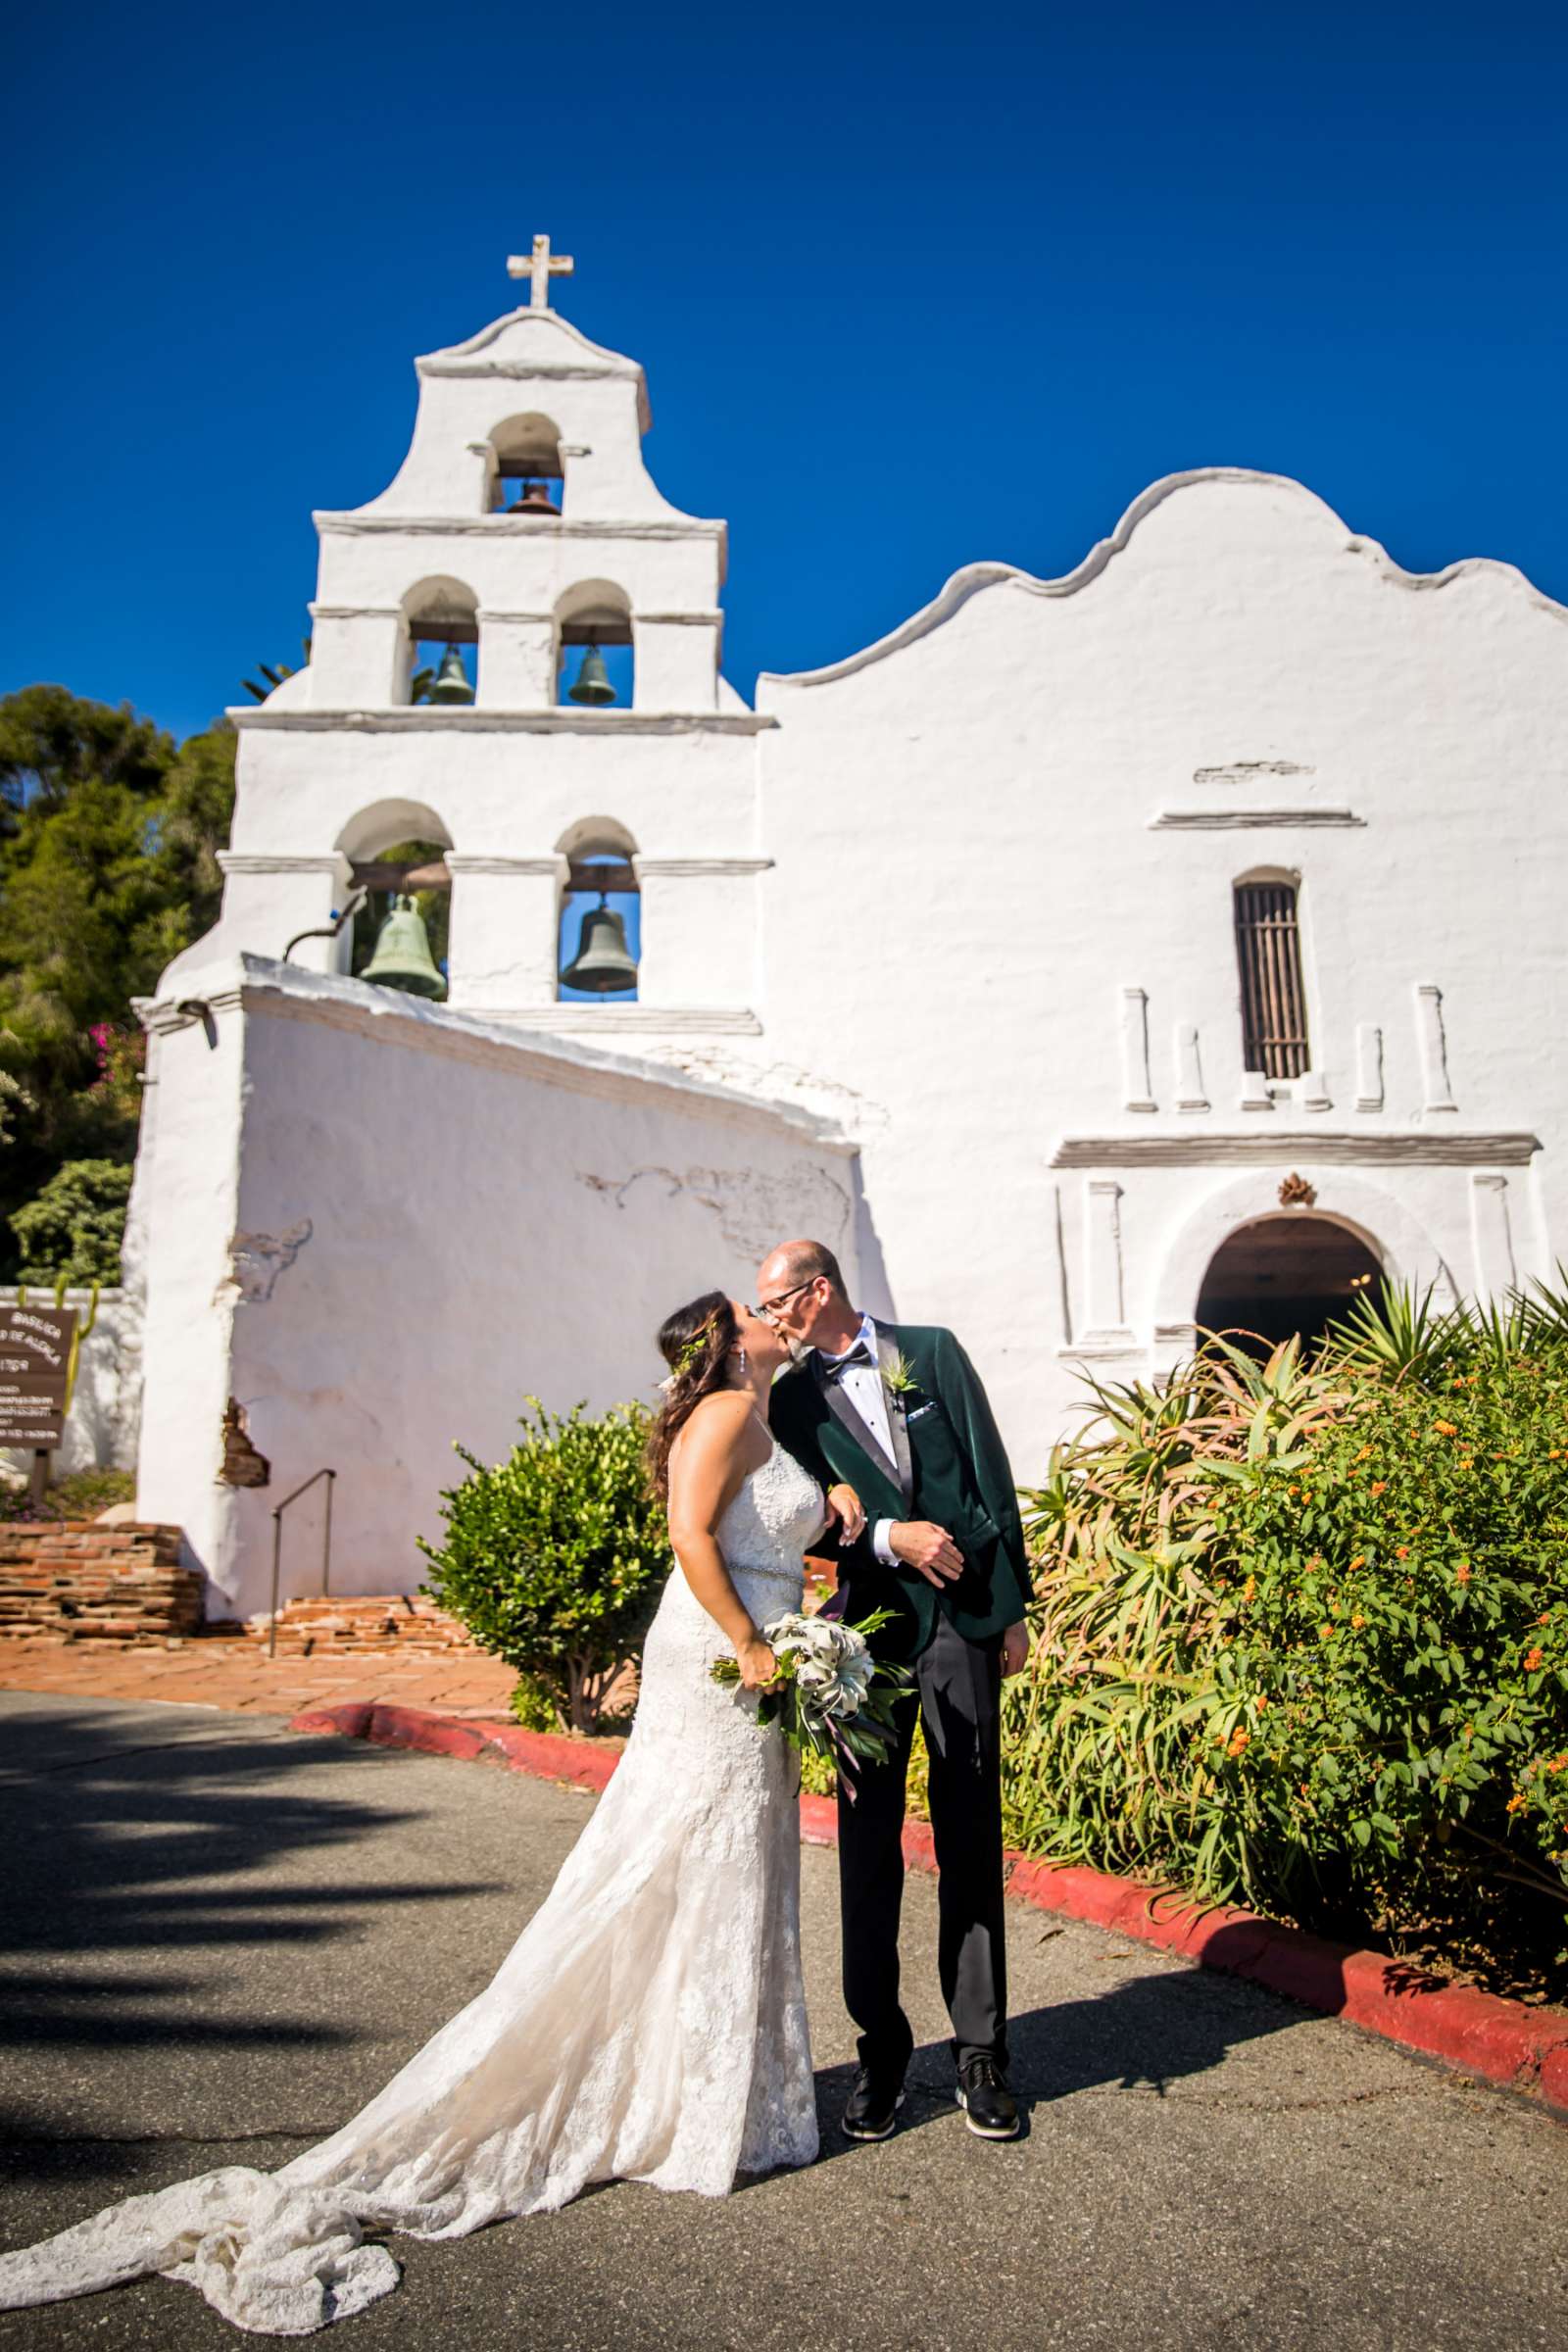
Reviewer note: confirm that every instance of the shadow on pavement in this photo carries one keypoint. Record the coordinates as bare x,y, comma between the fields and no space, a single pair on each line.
120,1844
1146,2031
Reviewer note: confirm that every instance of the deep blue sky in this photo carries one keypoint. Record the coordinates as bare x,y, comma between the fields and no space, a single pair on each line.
912,288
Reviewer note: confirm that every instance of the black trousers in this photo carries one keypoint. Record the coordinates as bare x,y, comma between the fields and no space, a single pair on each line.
959,1700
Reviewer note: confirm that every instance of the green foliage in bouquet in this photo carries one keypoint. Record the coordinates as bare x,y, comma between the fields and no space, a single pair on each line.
819,1776
1302,1636
831,1699
555,1558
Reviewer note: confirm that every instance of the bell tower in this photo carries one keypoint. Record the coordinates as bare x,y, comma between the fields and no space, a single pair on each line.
525,405
516,653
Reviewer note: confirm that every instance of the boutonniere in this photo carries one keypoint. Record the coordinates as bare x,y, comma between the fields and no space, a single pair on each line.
900,1381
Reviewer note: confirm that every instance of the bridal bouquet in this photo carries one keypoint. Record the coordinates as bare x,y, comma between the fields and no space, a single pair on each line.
832,1698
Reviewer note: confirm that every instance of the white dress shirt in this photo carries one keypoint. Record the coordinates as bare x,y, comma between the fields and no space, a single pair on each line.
865,1388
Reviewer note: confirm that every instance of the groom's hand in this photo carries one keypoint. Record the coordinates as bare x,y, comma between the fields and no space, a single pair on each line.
929,1551
1015,1647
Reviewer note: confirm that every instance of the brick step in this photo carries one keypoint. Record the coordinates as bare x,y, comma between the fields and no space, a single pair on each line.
400,1624
80,1581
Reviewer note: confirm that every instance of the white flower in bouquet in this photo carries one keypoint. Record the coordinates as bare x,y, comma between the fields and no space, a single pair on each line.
831,1696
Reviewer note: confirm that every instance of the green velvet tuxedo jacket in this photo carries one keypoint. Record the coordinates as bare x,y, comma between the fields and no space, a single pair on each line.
948,1465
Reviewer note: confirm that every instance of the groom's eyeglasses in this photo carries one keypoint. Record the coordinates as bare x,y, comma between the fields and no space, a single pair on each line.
767,1308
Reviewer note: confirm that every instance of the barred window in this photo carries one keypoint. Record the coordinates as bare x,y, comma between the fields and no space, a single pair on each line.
1268,951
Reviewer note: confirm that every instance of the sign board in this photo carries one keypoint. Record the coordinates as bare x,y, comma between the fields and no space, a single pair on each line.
35,1357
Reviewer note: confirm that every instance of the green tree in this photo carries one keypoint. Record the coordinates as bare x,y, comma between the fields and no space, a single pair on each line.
75,1225
108,868
50,741
193,821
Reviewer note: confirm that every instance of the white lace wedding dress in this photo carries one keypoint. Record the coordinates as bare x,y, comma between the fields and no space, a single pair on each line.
648,2023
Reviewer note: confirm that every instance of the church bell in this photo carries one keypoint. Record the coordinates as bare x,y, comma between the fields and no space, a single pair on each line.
403,958
604,962
451,680
592,686
535,500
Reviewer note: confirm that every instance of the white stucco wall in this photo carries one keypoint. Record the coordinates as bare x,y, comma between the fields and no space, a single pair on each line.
1041,795
968,892
433,1219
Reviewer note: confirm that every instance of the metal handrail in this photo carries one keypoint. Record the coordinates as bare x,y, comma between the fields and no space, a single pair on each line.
278,1547
351,906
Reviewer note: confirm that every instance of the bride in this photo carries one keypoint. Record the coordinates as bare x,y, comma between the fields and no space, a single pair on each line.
649,2024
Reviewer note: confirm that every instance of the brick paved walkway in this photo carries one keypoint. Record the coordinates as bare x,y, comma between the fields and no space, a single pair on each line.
239,1675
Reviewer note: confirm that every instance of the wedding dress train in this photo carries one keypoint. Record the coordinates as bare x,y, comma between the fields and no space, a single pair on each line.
649,2024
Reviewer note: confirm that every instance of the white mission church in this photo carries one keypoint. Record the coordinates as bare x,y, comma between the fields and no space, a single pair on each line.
1175,940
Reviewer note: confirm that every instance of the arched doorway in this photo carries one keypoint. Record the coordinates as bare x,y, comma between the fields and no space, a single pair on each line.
1280,1275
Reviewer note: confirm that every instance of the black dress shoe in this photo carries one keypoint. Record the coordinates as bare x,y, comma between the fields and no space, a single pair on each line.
989,2106
872,2107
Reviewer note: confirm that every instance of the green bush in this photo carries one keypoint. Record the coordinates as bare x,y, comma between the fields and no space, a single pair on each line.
532,1706
1303,1640
74,1227
79,1494
84,1493
555,1558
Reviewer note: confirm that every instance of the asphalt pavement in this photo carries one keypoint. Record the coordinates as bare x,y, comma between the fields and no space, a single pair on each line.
221,1937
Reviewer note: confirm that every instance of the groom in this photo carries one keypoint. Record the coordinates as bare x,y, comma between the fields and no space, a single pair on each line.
898,1412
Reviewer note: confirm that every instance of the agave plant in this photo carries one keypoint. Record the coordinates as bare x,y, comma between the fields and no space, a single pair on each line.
1301,1639
1404,1336
1112,1731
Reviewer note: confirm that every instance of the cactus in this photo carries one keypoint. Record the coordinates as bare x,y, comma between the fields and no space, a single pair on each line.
84,1325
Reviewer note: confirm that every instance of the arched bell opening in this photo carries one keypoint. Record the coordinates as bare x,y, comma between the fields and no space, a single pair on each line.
594,667
441,644
523,470
402,923
1292,1274
599,938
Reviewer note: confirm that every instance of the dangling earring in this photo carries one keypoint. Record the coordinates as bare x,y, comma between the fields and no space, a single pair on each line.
739,1354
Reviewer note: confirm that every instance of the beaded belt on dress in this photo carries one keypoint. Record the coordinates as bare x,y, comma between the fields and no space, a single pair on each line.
787,1576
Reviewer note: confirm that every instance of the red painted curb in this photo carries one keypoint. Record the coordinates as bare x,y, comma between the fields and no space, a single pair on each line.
1554,2075
352,1721
432,1735
1507,2042
547,1755
819,1821
550,1756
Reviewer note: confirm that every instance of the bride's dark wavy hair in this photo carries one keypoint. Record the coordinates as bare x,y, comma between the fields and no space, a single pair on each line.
694,1342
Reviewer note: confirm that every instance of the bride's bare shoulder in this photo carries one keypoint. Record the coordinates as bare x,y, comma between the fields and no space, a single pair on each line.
716,1420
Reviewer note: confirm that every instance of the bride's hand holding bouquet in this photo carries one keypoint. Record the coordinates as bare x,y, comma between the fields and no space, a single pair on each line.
755,1666
828,1695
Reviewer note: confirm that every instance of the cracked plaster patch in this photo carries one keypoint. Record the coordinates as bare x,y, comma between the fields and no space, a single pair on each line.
755,1213
257,1260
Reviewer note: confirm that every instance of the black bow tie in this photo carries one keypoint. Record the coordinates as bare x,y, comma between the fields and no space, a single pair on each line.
834,1367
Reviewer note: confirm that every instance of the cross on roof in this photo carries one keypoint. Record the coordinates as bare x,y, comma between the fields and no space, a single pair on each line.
539,268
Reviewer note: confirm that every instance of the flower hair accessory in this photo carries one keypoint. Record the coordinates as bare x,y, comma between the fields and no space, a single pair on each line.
693,1347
